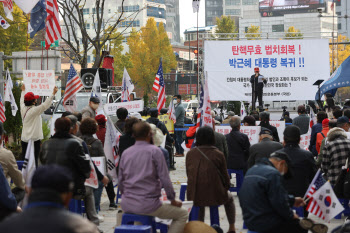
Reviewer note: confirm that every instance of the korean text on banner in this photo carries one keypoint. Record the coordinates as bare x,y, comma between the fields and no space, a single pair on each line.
40,82
251,131
100,163
289,66
131,106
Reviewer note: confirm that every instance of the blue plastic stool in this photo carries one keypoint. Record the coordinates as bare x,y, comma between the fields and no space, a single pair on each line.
183,191
299,211
214,215
118,196
129,219
162,227
239,179
76,206
20,164
133,229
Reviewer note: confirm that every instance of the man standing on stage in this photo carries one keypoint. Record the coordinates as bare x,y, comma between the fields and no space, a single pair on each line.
258,82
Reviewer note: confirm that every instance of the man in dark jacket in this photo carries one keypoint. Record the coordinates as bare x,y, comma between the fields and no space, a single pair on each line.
303,120
238,146
8,203
64,150
302,165
317,128
258,81
265,202
264,148
50,194
264,118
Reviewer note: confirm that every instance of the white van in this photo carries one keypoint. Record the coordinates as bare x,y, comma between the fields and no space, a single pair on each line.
189,105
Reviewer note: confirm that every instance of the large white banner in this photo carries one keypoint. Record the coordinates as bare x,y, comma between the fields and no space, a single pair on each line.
251,131
131,106
289,66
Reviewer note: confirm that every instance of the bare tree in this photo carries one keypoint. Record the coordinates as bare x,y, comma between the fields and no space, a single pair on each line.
74,27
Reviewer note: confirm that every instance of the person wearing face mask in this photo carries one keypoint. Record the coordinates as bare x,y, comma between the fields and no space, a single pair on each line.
180,122
32,121
266,204
90,110
302,164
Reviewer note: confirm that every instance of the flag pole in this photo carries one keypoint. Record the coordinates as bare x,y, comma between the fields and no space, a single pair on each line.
197,58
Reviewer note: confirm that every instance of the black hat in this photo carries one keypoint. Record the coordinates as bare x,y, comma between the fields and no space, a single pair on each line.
285,157
292,132
53,177
342,120
153,110
95,100
265,131
264,115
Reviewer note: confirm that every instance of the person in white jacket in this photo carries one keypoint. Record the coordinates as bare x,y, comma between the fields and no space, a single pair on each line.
31,119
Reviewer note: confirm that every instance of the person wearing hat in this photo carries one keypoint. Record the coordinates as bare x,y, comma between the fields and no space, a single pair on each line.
302,164
101,130
264,118
158,138
32,121
286,118
303,120
9,164
49,198
335,152
228,118
265,203
90,110
321,135
264,148
257,81
343,122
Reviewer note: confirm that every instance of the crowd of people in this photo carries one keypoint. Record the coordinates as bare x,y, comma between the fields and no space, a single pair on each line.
276,175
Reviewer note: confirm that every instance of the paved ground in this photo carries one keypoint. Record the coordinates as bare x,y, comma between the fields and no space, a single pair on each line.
179,176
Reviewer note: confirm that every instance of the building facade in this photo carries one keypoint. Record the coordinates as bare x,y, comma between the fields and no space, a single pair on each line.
213,9
173,20
343,12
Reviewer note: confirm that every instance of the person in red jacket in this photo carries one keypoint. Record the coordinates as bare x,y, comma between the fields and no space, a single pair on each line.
322,134
101,132
190,135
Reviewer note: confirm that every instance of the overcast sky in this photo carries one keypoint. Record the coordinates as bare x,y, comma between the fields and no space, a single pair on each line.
188,19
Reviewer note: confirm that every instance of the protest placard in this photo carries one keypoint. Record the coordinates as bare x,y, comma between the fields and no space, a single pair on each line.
40,82
100,163
251,131
131,106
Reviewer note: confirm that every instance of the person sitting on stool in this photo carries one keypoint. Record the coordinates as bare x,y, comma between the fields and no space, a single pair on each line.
257,81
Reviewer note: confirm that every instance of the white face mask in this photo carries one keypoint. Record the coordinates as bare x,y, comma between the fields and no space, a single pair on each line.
174,101
94,106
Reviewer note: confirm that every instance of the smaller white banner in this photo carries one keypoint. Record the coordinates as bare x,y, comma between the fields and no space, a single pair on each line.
131,106
40,82
251,131
100,163
305,141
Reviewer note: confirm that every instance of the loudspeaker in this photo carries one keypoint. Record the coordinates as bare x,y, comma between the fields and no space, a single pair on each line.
88,76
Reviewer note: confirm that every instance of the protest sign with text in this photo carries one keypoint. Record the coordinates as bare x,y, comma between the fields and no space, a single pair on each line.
251,131
131,106
289,66
40,82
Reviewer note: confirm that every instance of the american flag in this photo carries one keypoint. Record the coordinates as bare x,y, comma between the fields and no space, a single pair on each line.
53,28
156,84
73,86
2,111
316,184
161,90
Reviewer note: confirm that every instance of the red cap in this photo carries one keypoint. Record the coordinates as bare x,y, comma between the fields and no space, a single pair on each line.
30,96
101,119
325,123
256,69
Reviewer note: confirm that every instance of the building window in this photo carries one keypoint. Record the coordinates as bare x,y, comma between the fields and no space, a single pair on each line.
338,3
232,12
109,11
88,59
135,23
339,26
157,1
250,2
94,10
129,8
278,28
86,11
156,12
125,39
246,29
232,2
87,26
163,24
